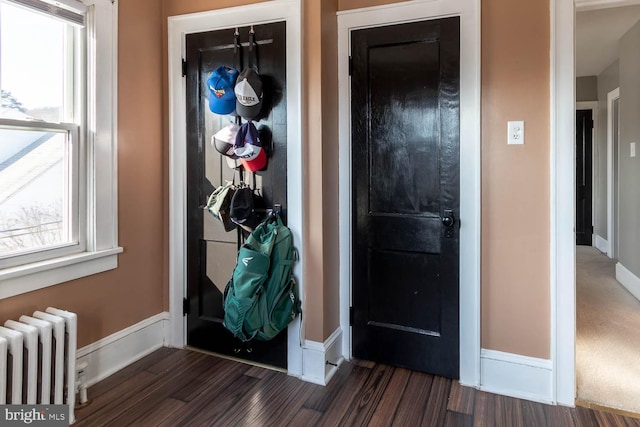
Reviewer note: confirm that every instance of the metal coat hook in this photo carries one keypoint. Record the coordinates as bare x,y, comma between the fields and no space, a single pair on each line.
251,30
237,33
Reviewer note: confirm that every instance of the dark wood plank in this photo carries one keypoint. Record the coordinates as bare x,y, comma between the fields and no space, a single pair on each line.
414,400
435,412
509,412
386,410
145,398
221,390
461,398
322,398
364,363
276,398
362,410
161,412
258,372
220,374
559,416
129,371
305,417
484,413
456,419
138,408
610,419
108,401
215,406
533,412
585,417
345,397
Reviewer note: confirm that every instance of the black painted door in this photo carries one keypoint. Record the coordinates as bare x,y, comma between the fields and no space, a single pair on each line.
405,174
211,252
584,187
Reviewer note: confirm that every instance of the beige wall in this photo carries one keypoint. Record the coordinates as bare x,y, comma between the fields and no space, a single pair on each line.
515,179
330,202
111,301
315,305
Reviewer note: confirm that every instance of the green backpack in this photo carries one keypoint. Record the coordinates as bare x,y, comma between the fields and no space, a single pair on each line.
261,298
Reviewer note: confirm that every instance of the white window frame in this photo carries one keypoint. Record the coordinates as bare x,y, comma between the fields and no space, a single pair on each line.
76,212
100,176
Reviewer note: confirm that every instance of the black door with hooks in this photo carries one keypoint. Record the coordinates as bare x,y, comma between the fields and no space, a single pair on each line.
211,252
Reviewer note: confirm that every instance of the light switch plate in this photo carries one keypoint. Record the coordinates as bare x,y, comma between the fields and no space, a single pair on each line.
632,149
515,132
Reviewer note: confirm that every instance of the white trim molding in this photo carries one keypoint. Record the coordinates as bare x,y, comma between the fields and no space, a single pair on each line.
582,5
178,27
411,11
321,360
611,174
602,244
517,376
110,354
630,281
562,202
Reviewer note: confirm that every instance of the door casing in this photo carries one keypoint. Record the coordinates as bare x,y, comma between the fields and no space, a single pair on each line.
612,172
469,13
178,27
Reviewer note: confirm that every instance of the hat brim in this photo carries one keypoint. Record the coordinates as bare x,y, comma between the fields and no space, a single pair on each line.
257,163
221,106
248,112
224,148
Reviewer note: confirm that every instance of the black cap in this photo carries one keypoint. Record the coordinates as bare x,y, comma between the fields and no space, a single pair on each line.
242,209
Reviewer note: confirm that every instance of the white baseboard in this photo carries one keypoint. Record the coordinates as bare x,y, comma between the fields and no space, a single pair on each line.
110,354
518,376
320,361
629,280
602,245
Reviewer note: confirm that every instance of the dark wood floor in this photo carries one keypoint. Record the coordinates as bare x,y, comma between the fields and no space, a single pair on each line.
185,388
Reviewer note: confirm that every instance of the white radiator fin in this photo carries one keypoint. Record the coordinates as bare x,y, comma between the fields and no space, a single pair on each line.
42,352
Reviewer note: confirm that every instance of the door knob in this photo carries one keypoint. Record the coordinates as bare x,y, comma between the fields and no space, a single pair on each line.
447,219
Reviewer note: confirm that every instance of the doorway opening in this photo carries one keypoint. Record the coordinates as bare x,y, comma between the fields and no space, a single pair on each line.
607,268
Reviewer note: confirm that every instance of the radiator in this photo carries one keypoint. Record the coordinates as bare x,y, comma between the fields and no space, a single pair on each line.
38,359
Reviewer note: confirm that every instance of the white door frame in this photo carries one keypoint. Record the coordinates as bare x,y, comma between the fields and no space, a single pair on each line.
593,106
611,171
417,10
178,27
562,191
562,178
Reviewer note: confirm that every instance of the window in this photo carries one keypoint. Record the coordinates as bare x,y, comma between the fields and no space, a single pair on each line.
41,82
57,198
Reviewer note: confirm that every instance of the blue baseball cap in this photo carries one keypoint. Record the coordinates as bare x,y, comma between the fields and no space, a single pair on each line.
222,98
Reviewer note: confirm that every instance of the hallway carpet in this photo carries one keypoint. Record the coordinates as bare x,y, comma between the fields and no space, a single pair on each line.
608,335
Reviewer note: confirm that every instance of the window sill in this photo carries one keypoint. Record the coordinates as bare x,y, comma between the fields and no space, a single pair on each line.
38,275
